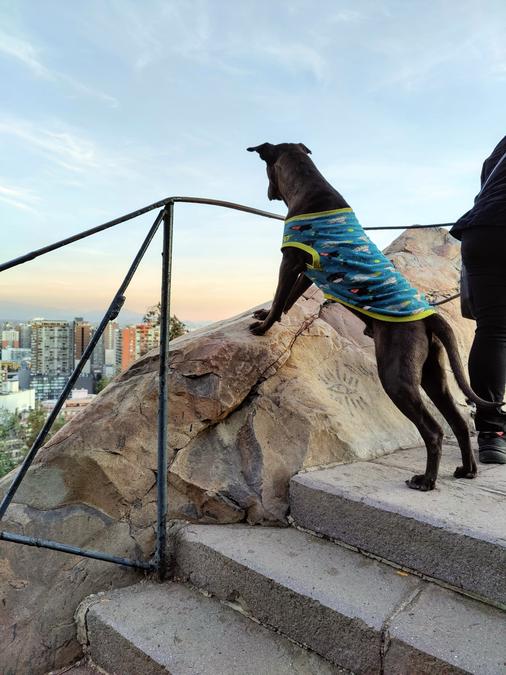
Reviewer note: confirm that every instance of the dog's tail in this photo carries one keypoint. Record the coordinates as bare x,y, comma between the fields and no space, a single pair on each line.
444,332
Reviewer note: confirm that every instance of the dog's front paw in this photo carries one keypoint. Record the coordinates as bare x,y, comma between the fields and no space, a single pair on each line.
261,314
258,328
462,472
421,482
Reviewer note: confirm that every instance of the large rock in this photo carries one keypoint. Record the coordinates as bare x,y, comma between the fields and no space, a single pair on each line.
246,413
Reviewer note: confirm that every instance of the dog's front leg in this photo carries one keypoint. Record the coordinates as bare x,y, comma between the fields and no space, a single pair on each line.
289,271
301,285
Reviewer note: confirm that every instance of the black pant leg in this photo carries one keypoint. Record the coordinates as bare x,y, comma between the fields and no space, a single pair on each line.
484,255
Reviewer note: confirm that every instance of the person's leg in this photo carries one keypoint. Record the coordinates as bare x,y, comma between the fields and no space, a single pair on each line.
484,255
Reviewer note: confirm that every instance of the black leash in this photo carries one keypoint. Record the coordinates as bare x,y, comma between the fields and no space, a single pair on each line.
442,302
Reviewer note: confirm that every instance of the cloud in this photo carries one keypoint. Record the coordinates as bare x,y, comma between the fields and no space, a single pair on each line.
63,147
296,58
442,49
17,197
23,51
70,149
346,16
26,53
198,33
70,157
413,67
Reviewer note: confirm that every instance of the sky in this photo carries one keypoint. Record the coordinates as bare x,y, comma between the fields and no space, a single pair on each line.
109,105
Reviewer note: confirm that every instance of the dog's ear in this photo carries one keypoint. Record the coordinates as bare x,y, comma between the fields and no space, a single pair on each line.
267,152
304,148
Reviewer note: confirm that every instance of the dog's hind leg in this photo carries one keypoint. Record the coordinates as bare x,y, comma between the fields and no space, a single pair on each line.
401,353
435,384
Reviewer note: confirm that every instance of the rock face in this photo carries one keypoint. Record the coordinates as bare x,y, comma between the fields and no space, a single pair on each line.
246,413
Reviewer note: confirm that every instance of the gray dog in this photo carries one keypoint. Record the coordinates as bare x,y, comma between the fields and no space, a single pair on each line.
408,336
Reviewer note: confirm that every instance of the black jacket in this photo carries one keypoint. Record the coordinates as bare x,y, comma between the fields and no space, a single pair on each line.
490,205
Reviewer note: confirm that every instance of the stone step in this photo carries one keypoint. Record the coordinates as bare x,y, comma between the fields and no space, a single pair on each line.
150,629
356,612
456,533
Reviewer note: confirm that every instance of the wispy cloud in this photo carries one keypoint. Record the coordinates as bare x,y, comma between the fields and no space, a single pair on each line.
194,33
296,58
82,158
346,16
439,51
18,197
25,52
63,147
413,66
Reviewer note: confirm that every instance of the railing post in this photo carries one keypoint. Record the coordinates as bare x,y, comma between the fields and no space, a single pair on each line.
163,407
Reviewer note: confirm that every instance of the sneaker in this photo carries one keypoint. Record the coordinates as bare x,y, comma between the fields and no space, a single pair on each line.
492,447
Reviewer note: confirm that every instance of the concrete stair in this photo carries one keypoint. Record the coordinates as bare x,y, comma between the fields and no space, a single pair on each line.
455,534
354,611
412,584
151,628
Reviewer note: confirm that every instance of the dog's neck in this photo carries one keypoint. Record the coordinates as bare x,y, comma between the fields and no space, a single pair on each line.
303,188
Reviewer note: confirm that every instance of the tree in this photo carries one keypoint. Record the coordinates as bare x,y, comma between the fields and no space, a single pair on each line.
10,440
176,327
102,384
10,424
16,437
152,315
6,462
34,423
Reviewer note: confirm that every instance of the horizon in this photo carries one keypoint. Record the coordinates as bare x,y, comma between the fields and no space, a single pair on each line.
94,321
399,105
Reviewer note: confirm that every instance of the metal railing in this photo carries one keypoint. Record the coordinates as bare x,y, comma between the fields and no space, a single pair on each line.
158,563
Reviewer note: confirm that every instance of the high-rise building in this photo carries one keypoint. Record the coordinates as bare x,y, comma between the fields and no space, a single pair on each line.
111,335
15,354
148,337
98,357
136,341
83,332
111,340
48,386
127,347
25,335
24,376
52,352
10,338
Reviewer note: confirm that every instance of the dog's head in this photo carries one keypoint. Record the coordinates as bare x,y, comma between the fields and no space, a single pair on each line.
271,154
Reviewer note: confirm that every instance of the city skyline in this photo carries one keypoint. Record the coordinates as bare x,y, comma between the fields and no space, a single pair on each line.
38,357
93,318
137,102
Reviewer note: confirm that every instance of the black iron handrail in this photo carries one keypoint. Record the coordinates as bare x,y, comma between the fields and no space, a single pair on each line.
166,215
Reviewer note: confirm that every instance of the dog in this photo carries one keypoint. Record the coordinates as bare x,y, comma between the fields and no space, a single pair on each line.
409,348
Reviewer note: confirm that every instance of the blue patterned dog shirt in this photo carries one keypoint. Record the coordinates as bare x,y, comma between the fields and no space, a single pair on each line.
349,268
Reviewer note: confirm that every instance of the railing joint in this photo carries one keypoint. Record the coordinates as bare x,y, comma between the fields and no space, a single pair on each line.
116,307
